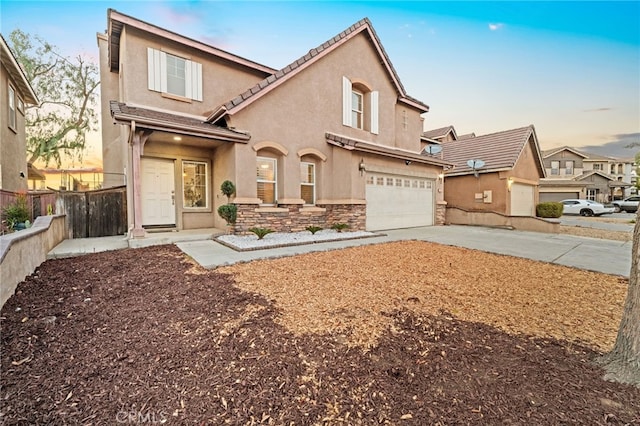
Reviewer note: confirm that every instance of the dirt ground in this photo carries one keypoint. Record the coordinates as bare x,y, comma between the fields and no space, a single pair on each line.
399,333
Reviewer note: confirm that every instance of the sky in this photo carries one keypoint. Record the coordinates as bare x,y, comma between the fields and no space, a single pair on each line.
572,69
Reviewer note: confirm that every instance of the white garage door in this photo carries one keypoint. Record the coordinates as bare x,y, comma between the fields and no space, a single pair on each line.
395,201
522,200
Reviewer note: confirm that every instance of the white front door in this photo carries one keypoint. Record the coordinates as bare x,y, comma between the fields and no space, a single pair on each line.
158,192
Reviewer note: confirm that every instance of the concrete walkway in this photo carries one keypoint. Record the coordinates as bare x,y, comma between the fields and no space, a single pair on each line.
607,256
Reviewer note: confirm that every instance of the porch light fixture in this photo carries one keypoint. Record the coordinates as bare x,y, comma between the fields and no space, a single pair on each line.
509,183
441,177
362,167
407,162
177,138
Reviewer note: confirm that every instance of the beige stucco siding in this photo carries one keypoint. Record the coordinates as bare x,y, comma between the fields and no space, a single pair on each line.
221,81
299,112
13,158
461,190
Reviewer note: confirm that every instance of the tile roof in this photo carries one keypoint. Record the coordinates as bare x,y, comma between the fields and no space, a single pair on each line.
499,151
438,133
168,122
312,56
467,136
386,151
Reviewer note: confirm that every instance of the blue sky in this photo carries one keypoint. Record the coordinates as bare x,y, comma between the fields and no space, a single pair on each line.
572,69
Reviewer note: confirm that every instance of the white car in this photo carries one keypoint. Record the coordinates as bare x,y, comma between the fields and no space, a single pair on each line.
585,207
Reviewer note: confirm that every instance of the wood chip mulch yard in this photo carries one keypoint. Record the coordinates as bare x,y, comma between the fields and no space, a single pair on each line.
410,333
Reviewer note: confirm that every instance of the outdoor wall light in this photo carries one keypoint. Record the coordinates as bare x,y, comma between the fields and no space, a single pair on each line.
407,162
22,175
362,167
509,183
441,177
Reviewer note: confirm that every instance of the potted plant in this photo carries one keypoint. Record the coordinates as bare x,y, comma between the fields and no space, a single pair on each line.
16,214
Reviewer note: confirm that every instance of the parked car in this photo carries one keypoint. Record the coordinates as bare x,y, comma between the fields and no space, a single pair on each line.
629,204
585,207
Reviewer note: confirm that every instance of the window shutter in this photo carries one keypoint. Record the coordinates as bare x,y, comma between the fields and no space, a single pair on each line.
153,64
196,81
346,101
163,72
374,112
188,80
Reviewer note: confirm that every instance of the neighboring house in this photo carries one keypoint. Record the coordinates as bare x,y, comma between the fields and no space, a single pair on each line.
572,173
505,179
331,138
15,92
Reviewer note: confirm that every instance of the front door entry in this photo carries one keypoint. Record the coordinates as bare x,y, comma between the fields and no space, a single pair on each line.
158,192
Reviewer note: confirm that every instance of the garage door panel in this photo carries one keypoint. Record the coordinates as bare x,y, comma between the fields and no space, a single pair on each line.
522,200
398,202
557,196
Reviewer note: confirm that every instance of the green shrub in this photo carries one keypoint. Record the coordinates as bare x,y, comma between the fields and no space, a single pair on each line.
16,212
228,189
550,209
228,212
340,226
261,232
313,229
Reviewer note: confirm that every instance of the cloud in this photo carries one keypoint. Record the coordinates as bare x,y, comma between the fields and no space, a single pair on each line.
624,145
598,109
496,26
180,18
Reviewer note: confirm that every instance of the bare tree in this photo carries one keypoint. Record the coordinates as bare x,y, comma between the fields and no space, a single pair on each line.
623,362
67,90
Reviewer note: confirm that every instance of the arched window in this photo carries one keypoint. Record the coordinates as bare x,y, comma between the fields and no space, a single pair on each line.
360,105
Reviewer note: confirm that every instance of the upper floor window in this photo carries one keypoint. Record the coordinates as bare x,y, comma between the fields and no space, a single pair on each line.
620,169
12,108
598,166
359,106
174,75
267,181
568,168
555,167
194,183
308,182
356,109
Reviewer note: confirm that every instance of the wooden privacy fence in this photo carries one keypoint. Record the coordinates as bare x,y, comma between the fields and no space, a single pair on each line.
98,213
37,201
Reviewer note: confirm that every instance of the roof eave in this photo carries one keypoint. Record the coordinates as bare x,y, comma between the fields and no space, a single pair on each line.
18,75
159,125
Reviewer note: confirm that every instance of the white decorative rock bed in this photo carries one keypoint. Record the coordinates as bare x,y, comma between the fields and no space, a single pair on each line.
284,239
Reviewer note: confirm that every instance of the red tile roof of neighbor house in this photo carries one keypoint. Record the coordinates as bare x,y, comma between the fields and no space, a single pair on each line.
274,80
180,124
499,151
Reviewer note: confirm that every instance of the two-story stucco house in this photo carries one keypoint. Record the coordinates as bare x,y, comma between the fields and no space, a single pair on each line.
15,93
331,138
572,173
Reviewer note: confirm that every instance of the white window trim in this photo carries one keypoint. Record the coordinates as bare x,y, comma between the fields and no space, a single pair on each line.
275,181
313,184
157,74
206,185
555,170
358,112
347,107
12,119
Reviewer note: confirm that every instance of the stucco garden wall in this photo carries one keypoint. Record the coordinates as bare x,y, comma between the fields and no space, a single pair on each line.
457,216
23,251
